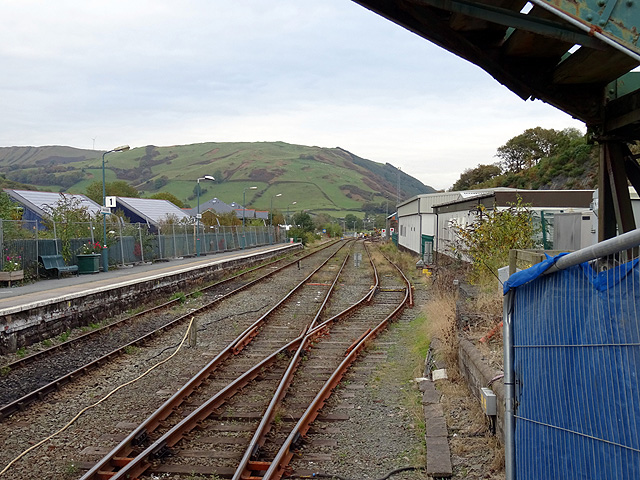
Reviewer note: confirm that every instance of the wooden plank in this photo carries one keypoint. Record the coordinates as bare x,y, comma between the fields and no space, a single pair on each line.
532,45
593,66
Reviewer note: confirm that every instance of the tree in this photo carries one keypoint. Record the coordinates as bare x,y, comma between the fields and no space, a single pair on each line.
118,188
353,222
380,221
11,211
528,148
475,176
277,217
321,220
487,240
211,218
303,221
333,230
168,196
72,220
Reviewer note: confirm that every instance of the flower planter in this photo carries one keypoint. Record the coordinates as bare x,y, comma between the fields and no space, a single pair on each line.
11,276
88,263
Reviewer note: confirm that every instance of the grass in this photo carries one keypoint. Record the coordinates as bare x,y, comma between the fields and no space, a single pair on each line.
71,470
21,352
400,369
64,336
311,176
180,296
441,312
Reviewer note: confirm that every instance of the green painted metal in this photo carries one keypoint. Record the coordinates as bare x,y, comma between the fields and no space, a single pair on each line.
515,20
426,249
624,85
617,19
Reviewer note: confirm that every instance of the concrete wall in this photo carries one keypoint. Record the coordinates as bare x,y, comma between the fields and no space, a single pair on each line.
478,374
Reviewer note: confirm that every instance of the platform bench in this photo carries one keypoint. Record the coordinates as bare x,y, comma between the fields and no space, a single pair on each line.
55,264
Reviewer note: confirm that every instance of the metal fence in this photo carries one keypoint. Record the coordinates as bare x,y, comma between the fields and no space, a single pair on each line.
22,242
572,365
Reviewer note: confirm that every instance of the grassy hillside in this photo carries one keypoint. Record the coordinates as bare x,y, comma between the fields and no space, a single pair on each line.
318,179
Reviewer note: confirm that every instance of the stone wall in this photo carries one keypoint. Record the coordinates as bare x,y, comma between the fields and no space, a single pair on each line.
30,324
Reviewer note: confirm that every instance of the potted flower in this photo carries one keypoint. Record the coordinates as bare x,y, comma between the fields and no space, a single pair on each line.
89,257
12,269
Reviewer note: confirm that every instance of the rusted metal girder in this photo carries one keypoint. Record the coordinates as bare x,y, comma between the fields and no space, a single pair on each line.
614,201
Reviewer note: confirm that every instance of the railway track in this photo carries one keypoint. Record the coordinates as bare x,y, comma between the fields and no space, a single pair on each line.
269,384
31,378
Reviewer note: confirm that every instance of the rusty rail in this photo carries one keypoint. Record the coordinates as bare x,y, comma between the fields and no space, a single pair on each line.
21,403
106,466
283,457
246,466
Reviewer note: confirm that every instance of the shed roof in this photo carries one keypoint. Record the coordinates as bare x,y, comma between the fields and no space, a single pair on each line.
534,198
36,201
151,210
214,204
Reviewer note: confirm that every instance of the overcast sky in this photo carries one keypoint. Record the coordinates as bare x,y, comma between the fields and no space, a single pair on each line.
327,73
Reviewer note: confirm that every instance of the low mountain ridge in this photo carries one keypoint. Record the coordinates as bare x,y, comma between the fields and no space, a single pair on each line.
319,179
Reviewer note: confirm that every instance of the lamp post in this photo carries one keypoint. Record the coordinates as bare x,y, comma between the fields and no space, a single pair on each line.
206,177
271,210
244,201
105,250
293,203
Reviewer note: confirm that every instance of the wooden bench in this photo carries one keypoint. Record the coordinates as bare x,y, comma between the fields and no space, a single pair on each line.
55,264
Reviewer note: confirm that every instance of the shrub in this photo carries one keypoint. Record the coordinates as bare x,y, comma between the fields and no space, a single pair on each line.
487,241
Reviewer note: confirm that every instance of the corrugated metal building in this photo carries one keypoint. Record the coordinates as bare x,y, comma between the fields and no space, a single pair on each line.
150,211
424,221
542,203
417,220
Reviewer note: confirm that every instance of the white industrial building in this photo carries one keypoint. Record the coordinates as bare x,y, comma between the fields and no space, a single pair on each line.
424,221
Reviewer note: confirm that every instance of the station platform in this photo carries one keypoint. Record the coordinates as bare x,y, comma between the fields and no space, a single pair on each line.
36,309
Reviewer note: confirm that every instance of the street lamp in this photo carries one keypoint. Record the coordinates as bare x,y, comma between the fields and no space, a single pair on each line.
244,201
206,177
105,250
271,211
293,203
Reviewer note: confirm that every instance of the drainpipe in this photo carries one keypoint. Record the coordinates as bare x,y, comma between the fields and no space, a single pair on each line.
509,387
436,253
420,236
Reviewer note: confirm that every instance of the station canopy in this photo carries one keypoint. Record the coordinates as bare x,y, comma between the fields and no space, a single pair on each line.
578,55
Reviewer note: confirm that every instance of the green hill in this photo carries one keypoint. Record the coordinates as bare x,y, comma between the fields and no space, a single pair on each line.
321,180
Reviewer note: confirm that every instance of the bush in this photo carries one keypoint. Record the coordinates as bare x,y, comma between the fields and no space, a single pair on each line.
487,241
305,236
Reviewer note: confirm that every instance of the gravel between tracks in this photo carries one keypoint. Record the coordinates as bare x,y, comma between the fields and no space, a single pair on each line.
378,437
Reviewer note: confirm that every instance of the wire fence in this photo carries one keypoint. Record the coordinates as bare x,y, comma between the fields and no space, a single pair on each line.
572,366
21,242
